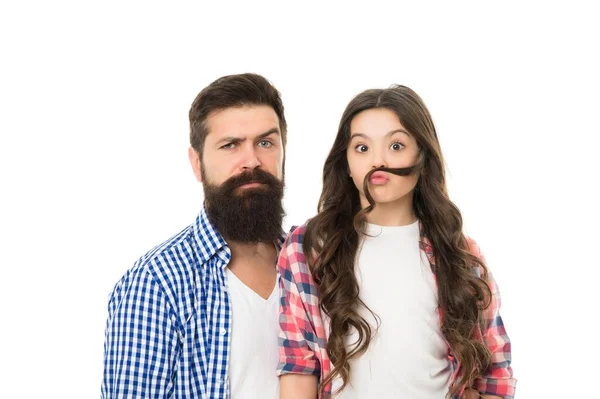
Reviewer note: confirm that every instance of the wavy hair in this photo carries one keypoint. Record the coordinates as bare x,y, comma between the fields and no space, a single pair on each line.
333,237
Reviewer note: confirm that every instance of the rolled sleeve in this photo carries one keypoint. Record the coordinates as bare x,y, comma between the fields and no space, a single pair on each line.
498,379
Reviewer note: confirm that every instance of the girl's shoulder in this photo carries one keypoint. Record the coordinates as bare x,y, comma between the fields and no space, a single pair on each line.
292,253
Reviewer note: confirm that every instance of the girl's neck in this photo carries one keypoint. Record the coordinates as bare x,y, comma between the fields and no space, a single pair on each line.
397,213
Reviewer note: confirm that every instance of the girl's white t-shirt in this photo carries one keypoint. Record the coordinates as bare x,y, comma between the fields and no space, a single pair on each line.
407,356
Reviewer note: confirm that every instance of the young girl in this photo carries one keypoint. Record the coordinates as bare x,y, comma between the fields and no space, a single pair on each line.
382,294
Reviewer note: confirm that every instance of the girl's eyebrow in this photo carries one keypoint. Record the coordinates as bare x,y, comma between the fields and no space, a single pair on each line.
391,133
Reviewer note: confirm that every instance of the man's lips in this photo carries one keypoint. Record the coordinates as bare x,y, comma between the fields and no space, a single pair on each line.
251,185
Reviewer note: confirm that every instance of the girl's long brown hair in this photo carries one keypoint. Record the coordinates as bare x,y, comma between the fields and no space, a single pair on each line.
333,238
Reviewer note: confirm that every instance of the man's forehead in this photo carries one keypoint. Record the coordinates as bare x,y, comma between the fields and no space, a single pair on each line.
247,121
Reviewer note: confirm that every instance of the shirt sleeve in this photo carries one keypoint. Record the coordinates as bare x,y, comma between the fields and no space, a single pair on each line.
296,335
498,378
141,343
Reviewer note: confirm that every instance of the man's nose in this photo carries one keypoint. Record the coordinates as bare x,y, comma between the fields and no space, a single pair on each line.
251,160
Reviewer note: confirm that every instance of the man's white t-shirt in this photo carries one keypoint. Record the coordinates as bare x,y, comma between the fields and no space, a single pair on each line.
407,356
254,352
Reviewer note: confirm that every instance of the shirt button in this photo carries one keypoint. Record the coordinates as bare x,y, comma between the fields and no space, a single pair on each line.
223,331
221,381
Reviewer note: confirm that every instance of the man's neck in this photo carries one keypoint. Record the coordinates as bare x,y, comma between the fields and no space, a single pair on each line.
254,265
253,253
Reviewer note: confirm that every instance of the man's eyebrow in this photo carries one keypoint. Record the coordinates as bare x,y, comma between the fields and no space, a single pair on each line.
237,140
268,133
230,139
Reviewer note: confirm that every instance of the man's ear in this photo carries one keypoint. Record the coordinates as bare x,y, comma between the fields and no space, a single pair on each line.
195,163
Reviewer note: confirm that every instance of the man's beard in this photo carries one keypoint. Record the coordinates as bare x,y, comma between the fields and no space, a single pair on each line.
249,215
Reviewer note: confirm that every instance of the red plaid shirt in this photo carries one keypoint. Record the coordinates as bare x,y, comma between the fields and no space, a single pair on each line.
303,336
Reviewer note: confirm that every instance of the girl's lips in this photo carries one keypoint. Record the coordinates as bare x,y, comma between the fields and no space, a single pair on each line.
378,178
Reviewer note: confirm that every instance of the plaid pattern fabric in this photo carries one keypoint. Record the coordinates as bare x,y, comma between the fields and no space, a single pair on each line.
169,321
303,334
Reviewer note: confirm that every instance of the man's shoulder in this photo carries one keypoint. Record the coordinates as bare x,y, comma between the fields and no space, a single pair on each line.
166,268
171,254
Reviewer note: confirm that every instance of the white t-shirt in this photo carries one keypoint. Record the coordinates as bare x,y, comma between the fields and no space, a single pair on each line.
407,356
254,353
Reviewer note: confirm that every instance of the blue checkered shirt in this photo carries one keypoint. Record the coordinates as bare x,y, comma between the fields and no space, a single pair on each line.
169,321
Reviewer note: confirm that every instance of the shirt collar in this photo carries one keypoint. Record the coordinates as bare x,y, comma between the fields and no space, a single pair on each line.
207,237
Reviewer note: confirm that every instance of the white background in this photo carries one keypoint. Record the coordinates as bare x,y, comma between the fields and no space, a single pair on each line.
94,172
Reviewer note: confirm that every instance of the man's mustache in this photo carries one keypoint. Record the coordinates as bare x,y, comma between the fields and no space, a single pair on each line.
255,176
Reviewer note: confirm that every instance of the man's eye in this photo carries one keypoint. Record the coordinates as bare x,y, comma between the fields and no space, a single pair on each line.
265,143
228,146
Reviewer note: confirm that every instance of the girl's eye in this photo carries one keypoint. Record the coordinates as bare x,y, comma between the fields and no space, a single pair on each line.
361,148
396,146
